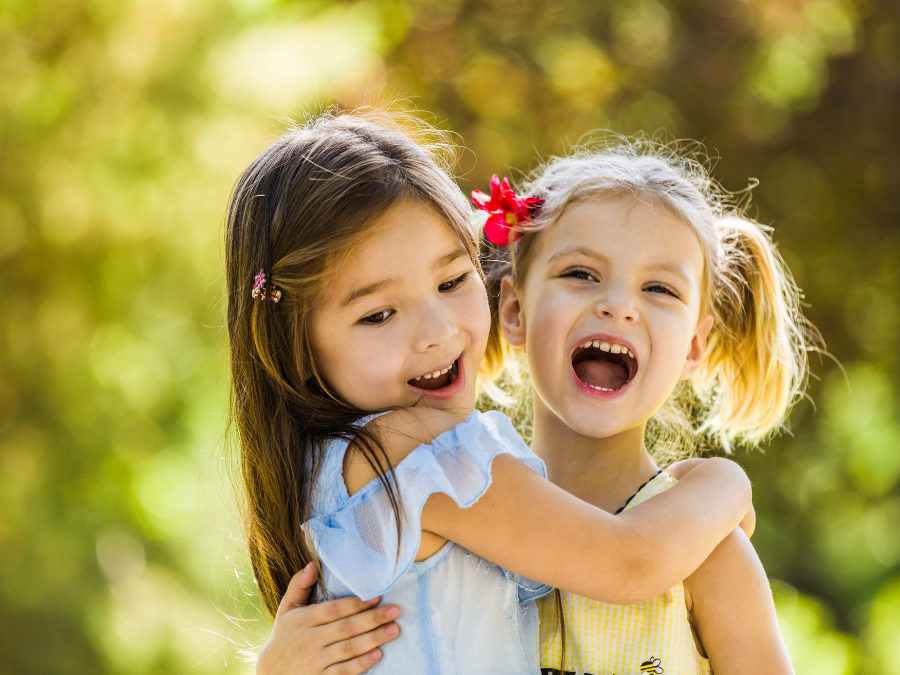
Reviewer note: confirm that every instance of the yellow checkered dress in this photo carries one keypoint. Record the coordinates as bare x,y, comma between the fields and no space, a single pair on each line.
603,639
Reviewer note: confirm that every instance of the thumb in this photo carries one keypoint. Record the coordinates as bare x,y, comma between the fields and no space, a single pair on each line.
679,470
748,524
299,589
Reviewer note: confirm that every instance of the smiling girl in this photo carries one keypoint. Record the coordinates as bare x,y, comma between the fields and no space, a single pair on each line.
635,297
358,319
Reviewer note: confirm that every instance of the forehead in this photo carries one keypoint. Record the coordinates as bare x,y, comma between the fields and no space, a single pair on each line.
402,245
625,229
408,227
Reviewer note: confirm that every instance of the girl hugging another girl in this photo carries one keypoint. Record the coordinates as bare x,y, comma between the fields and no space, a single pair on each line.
359,318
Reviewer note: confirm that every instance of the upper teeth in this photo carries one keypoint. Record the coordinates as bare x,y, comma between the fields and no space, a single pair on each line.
436,373
612,348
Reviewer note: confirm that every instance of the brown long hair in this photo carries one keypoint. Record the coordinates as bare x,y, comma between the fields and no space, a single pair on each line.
295,213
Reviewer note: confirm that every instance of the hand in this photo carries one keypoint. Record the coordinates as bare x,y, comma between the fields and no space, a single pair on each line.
337,637
679,470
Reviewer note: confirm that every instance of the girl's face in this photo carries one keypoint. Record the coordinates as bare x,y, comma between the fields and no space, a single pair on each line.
405,319
609,313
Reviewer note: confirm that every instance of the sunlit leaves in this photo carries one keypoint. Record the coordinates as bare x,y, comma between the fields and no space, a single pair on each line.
862,425
123,125
808,630
883,632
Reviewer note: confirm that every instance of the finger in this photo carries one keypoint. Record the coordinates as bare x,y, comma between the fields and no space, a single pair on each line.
358,624
679,470
355,666
748,524
335,610
362,645
298,590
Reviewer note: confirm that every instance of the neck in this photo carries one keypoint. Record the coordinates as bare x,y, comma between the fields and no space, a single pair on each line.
604,472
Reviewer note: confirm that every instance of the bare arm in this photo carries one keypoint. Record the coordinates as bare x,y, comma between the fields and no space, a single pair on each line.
733,613
679,470
528,525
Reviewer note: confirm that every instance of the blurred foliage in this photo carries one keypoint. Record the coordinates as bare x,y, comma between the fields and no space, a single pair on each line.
123,126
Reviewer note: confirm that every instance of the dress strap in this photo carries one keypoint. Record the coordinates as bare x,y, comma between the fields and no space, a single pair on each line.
636,493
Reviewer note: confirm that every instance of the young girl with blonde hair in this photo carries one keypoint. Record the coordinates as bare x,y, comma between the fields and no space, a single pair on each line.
358,319
646,312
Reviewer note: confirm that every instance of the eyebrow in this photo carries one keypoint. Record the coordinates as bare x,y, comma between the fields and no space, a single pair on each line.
577,250
670,267
371,289
358,293
451,257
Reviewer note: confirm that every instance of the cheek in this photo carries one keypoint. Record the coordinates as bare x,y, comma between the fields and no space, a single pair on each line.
384,353
474,315
323,350
550,314
367,379
481,329
548,321
671,339
352,372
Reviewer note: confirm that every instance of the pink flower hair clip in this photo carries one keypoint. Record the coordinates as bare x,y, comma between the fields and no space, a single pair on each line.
506,209
259,288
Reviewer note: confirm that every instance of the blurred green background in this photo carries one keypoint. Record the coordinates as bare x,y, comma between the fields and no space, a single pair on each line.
122,128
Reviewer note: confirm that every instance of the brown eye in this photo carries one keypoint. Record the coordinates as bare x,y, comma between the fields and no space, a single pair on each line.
659,288
378,317
579,274
452,284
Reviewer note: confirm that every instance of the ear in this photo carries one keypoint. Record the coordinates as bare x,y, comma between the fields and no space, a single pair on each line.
510,314
697,348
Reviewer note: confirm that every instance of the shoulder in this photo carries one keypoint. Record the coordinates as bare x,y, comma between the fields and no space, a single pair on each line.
397,433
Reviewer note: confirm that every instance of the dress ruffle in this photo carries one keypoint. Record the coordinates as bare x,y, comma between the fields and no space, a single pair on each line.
358,543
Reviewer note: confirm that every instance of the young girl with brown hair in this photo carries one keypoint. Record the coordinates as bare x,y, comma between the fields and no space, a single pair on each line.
358,320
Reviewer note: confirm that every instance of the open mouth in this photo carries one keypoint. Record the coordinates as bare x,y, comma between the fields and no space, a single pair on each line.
439,379
604,366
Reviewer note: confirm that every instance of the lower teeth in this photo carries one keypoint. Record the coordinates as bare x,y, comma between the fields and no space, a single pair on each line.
600,388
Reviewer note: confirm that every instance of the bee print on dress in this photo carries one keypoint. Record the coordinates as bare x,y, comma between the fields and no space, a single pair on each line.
652,665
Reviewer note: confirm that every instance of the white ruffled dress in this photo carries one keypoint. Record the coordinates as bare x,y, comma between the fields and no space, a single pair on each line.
461,613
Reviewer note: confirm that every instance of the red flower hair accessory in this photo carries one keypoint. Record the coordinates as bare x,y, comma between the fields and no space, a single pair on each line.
506,209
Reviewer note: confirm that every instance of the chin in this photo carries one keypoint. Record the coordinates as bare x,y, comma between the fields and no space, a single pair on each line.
597,428
593,424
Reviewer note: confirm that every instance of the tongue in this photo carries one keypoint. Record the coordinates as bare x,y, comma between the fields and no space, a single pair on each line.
604,374
433,383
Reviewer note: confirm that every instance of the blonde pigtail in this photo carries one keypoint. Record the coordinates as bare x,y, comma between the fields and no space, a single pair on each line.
755,366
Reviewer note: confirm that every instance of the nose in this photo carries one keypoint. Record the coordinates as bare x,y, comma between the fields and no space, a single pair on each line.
436,327
617,304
